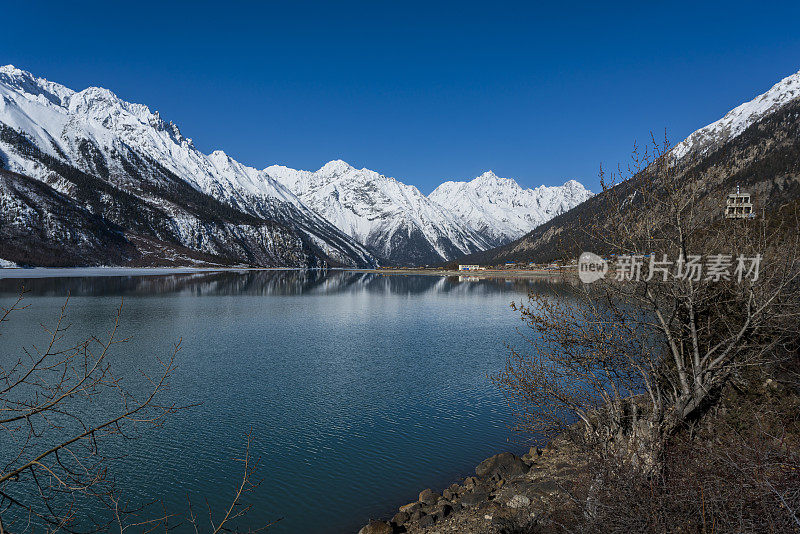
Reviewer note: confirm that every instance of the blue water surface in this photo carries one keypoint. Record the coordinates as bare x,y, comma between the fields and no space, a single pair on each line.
360,389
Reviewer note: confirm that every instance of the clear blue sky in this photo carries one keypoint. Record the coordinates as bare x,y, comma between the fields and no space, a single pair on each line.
420,91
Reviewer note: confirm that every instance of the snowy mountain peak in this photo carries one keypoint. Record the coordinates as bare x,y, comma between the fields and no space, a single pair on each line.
96,102
10,71
741,117
26,83
488,175
502,210
489,180
335,168
219,155
574,187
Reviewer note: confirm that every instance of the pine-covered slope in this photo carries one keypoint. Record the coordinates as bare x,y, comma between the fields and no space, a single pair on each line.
106,155
501,210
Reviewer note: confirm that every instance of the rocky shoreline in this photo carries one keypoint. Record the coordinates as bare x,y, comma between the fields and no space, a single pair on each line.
507,493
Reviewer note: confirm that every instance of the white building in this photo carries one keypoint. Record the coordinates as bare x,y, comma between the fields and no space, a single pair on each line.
739,206
469,267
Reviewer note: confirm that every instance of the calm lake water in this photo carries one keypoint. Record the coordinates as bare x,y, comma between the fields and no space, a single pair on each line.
360,389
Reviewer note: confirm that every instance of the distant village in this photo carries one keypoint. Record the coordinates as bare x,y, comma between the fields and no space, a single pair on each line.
518,266
509,267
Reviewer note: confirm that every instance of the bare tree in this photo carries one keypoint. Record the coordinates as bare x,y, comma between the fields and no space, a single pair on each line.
658,369
648,350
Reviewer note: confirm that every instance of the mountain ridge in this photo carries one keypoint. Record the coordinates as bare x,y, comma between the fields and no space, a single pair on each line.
510,211
392,219
134,149
341,215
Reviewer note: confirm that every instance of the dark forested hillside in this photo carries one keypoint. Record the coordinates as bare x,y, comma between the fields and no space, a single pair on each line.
44,227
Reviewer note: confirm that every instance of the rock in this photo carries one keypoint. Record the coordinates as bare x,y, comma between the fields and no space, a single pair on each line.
444,510
427,496
518,501
447,494
401,517
456,489
531,456
377,527
511,489
426,521
470,482
410,508
545,486
473,498
417,515
505,465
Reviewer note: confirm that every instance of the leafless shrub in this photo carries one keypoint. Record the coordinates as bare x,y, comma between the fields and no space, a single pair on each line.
640,362
60,406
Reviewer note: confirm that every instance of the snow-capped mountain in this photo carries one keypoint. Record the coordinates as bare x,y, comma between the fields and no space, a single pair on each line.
741,117
87,178
393,220
501,210
47,128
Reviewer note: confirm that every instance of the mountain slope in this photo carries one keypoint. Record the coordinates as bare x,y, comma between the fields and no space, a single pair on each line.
755,146
737,120
49,130
122,170
86,221
393,220
502,211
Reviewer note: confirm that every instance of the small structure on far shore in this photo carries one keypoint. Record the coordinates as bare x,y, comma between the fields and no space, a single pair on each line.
469,267
739,206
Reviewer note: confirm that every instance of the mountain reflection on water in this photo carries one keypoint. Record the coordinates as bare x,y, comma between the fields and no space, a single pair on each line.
360,388
270,282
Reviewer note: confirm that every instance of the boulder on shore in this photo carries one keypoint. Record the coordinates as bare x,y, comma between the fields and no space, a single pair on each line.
518,501
505,465
411,507
474,498
400,518
427,496
377,527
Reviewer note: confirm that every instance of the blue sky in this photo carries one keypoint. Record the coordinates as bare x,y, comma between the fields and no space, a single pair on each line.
422,91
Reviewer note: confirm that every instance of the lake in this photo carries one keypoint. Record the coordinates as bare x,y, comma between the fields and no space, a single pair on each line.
360,389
